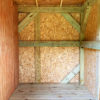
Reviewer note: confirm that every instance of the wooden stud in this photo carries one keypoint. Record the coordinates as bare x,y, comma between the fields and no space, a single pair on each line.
82,53
61,3
37,3
26,21
37,50
86,15
32,8
71,75
84,19
72,21
49,43
91,44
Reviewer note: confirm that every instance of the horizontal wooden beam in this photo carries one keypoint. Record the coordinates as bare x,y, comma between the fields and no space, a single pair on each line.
72,21
91,44
49,43
32,8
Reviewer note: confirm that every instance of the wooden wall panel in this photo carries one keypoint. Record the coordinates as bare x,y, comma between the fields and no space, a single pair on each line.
53,26
90,70
91,29
8,49
57,63
26,65
90,55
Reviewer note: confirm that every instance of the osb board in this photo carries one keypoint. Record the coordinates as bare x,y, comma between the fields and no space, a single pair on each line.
91,29
53,26
49,2
8,49
90,70
28,32
57,62
26,65
90,55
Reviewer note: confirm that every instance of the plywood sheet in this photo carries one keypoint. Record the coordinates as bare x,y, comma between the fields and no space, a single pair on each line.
57,62
8,49
90,70
49,2
56,27
90,55
53,26
26,65
28,32
91,29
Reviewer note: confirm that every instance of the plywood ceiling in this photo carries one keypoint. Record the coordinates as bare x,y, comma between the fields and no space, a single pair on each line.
50,2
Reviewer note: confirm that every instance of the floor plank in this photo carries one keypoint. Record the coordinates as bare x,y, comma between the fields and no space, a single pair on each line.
51,92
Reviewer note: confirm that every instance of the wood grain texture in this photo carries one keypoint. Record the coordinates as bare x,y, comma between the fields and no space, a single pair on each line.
53,27
26,65
90,70
8,49
51,92
57,62
49,2
92,24
90,55
48,9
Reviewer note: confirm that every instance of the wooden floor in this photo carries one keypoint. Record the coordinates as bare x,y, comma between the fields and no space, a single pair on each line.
51,92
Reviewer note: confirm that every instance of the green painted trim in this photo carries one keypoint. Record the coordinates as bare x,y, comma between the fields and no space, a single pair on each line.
72,21
32,8
37,58
91,44
26,21
85,20
49,43
89,3
71,75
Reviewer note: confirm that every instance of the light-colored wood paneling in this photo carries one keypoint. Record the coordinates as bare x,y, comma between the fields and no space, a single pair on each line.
51,92
53,26
92,24
90,70
26,65
8,49
90,55
57,62
56,27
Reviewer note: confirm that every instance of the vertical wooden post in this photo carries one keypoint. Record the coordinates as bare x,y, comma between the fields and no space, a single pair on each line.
98,58
37,50
82,52
84,19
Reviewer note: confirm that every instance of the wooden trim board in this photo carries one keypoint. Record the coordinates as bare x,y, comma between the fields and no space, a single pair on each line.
49,43
32,8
